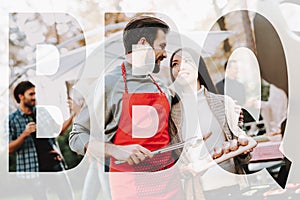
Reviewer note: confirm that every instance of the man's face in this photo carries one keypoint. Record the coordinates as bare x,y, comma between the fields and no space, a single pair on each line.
232,70
28,99
159,46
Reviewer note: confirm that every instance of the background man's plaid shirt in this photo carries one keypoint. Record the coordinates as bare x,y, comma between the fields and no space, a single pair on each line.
27,159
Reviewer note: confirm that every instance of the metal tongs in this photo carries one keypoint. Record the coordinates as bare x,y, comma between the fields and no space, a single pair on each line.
191,141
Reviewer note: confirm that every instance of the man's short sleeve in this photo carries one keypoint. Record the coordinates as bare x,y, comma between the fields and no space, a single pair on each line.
11,129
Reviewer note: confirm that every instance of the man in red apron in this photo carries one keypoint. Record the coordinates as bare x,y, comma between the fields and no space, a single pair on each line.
143,175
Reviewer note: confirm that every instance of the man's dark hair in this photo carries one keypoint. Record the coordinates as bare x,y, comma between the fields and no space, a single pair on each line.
225,65
142,26
228,63
21,89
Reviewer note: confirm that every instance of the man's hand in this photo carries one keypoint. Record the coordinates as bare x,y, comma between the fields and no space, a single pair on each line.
238,110
248,151
132,154
241,117
74,106
207,135
30,128
17,143
55,155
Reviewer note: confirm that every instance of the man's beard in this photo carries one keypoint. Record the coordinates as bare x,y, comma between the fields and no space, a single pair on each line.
156,65
29,104
156,68
149,64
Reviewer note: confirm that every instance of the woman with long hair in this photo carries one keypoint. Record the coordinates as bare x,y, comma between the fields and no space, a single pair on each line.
212,117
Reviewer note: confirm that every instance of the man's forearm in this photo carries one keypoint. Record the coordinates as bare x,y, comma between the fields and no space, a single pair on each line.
95,149
17,143
78,139
66,124
109,149
80,134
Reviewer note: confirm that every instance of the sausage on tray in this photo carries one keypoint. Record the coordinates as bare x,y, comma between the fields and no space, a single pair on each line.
218,152
226,147
243,140
233,145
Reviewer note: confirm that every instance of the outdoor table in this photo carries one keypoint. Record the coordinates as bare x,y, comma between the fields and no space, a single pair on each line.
265,151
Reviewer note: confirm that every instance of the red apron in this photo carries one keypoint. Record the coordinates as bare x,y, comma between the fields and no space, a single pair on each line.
152,185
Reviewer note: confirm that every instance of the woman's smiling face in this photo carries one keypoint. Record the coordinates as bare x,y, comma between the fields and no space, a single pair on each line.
184,68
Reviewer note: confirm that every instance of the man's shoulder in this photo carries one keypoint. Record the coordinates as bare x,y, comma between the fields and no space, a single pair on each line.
241,85
113,75
14,115
115,71
112,79
236,82
221,82
220,86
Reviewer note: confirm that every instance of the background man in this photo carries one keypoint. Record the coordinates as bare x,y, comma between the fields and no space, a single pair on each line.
33,154
36,154
237,90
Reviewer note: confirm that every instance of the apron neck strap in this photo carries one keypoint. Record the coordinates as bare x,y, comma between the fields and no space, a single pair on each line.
155,83
124,77
125,82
